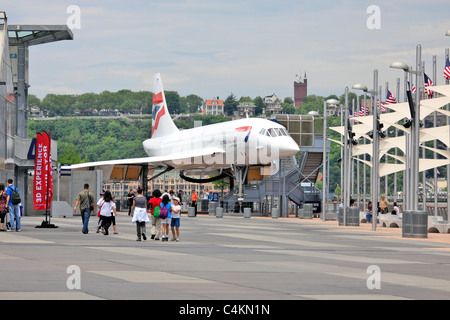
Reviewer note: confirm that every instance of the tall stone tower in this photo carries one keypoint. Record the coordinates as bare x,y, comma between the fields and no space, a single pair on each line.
300,90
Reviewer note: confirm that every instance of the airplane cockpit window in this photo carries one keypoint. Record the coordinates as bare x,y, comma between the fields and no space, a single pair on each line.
272,132
282,132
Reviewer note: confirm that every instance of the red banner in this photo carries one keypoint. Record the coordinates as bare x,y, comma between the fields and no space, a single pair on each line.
42,186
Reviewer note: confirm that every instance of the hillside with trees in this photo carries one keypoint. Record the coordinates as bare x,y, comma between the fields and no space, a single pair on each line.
84,139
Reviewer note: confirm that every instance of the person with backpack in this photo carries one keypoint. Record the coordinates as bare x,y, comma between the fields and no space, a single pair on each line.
164,216
13,200
3,206
155,201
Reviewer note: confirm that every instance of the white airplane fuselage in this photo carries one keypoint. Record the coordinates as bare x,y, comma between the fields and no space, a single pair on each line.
249,141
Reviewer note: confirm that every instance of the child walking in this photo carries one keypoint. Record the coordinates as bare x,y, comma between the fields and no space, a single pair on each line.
175,220
165,222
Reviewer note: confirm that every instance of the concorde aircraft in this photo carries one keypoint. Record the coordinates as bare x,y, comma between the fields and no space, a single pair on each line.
228,148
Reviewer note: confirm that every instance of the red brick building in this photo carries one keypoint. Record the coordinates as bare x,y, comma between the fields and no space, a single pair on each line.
300,91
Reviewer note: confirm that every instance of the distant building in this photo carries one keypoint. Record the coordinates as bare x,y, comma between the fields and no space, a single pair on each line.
214,107
246,107
300,91
273,104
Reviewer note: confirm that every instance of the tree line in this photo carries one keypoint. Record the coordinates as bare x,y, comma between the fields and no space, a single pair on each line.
127,101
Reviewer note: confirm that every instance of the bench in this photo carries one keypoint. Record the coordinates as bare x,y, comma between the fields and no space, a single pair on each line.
391,220
437,224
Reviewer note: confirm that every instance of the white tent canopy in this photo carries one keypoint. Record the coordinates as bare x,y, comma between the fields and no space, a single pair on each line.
401,111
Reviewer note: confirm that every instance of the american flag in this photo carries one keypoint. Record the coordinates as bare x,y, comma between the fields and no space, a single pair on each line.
428,83
390,99
350,113
413,89
447,69
382,108
362,111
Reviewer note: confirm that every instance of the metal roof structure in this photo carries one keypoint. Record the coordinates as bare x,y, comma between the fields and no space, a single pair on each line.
31,35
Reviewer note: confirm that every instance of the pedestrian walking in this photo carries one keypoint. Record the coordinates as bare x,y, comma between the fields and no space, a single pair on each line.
175,219
140,217
165,220
194,199
155,201
3,206
130,197
87,204
13,202
106,205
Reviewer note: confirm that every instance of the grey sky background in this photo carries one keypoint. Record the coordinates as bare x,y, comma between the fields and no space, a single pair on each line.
214,48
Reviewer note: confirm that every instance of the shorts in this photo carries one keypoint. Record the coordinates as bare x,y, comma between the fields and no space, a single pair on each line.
175,222
165,221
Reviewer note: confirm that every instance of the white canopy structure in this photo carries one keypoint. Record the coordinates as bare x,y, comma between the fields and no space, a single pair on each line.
401,111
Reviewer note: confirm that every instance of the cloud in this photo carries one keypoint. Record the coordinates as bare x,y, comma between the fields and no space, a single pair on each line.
213,48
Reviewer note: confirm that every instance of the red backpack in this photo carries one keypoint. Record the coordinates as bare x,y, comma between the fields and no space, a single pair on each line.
3,203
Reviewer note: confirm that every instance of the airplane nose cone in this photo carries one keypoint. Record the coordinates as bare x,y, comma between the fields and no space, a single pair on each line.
288,148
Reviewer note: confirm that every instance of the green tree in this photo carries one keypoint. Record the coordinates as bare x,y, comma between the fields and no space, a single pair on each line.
173,102
259,103
230,104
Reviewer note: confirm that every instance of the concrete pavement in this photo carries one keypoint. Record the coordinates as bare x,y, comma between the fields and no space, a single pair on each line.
232,258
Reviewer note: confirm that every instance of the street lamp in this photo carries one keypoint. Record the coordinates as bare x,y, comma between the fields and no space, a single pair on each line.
375,146
331,102
415,125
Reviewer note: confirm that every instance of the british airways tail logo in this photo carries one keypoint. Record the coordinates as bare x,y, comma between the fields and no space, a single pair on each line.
158,110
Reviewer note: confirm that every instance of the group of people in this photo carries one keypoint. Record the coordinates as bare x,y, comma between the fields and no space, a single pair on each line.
382,207
10,202
164,209
106,210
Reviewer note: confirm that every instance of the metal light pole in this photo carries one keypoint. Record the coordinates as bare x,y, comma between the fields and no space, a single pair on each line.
375,146
448,121
413,158
324,166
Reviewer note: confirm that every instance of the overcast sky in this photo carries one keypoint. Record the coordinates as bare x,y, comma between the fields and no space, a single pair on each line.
214,48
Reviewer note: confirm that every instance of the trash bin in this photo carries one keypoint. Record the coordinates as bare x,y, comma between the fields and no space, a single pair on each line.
204,205
352,216
275,213
191,211
219,212
414,224
306,212
212,208
247,212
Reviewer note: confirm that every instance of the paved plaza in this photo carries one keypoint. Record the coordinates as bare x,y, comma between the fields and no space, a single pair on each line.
231,258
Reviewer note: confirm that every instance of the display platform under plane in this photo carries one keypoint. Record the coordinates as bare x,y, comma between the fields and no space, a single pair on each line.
228,147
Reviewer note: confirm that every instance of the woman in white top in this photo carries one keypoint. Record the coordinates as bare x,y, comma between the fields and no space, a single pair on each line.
107,208
140,217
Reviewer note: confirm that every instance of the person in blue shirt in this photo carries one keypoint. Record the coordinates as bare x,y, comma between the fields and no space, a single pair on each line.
14,209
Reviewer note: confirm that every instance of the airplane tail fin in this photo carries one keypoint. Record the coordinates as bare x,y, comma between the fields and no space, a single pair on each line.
162,123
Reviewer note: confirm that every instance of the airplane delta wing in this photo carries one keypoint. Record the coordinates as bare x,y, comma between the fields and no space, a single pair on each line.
130,169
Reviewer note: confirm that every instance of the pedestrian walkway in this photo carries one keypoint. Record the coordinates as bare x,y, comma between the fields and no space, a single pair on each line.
230,258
